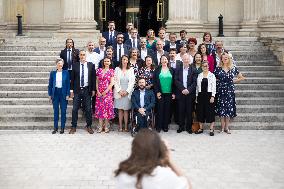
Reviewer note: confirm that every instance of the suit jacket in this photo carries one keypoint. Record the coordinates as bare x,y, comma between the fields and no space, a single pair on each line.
179,42
106,36
129,43
155,59
126,36
74,54
97,50
125,47
65,83
157,84
167,47
191,80
75,78
113,64
150,52
149,100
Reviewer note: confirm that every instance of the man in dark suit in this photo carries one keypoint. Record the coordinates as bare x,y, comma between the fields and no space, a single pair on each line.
82,88
134,41
127,34
143,101
172,44
109,54
160,51
119,48
70,55
185,82
110,35
144,51
182,39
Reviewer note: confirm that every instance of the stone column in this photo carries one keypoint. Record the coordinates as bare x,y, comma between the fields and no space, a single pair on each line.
78,17
271,22
184,14
252,12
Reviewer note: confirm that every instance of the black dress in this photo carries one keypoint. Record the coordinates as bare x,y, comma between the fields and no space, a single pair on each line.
205,109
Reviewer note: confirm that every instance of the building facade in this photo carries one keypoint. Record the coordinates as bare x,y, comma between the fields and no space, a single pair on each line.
264,18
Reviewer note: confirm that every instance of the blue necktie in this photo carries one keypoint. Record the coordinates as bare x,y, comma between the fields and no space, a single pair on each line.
111,37
82,76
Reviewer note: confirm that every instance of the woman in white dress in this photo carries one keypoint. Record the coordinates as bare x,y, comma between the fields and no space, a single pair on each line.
124,80
149,165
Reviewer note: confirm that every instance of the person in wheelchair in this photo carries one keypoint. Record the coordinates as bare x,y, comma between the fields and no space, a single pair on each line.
143,101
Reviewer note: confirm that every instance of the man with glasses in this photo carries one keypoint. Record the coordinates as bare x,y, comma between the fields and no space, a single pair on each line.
119,48
134,41
144,51
101,49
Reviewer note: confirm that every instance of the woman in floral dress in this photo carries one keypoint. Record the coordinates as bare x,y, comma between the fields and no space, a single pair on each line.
226,104
104,99
147,72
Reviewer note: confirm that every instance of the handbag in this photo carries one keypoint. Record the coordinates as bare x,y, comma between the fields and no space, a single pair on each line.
195,123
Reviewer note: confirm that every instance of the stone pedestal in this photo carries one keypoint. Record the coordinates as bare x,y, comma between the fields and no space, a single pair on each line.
184,14
78,19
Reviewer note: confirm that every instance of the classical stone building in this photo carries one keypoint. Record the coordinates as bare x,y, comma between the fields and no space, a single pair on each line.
86,17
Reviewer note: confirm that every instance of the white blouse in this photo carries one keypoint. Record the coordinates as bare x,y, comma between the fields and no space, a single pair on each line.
211,83
117,87
58,80
162,178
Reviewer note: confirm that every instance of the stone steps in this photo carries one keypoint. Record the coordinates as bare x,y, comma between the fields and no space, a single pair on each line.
26,64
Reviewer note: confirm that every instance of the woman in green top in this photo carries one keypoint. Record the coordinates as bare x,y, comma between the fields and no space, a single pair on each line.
197,62
164,90
151,41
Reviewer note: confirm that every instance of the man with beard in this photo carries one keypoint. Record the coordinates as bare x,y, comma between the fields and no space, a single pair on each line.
143,101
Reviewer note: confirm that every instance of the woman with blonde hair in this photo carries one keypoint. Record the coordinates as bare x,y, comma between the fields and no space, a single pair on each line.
226,104
149,165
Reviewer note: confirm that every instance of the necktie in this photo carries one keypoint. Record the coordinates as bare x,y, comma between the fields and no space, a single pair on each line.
69,60
110,37
119,53
134,45
82,76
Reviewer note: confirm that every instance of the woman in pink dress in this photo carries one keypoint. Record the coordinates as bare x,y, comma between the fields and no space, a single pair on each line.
202,49
104,109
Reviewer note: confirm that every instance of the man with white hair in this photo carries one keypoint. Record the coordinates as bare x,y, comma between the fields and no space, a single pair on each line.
185,82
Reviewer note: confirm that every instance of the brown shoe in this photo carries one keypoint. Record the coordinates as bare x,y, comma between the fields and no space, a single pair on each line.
90,130
72,131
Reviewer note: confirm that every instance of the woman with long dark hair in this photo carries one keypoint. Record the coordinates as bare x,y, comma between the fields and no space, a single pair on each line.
149,165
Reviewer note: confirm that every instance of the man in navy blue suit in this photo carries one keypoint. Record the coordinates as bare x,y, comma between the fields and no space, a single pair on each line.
110,35
134,41
143,101
172,44
70,55
119,48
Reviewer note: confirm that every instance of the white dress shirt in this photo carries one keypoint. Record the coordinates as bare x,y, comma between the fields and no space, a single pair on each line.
143,53
93,57
142,95
134,40
58,79
85,74
119,46
159,56
184,79
160,178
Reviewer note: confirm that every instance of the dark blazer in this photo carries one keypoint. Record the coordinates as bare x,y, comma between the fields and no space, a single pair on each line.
191,80
113,64
75,77
125,47
126,36
97,50
65,83
150,52
167,47
129,43
157,84
155,60
149,100
106,36
178,64
75,57
179,42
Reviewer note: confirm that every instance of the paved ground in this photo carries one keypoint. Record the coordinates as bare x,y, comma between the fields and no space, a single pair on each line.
39,160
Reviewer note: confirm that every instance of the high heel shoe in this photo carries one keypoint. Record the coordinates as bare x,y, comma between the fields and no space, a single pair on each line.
99,129
199,131
227,131
211,133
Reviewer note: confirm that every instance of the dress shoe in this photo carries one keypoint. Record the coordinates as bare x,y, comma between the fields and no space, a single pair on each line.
72,131
61,131
158,130
189,131
199,131
90,130
180,130
54,131
165,130
211,133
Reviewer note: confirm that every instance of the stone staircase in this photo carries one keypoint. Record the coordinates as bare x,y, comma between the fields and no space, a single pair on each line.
25,64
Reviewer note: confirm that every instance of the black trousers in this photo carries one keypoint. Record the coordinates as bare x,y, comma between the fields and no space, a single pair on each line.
164,111
185,105
174,111
141,120
85,98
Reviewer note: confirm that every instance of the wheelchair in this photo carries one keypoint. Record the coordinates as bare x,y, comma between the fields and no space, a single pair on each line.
133,122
